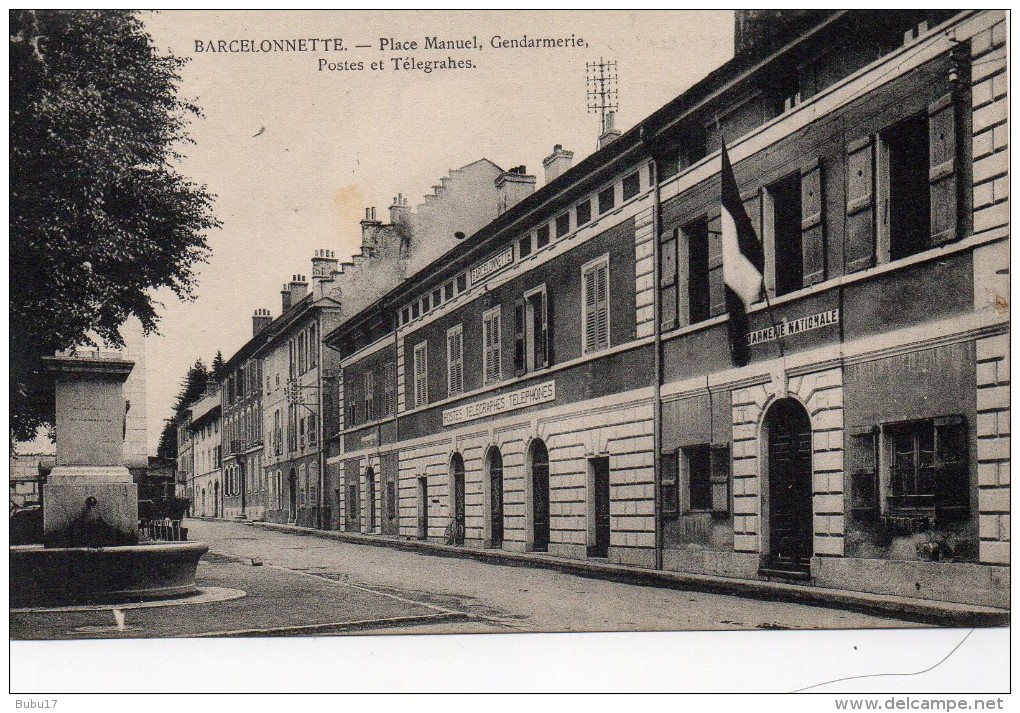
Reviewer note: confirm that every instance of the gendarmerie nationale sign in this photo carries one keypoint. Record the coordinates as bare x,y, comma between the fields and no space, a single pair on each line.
511,401
786,328
494,264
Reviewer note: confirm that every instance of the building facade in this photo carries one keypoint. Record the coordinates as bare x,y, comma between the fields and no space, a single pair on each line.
241,434
205,487
561,380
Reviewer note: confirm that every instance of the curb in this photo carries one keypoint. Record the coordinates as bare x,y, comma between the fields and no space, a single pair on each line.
949,614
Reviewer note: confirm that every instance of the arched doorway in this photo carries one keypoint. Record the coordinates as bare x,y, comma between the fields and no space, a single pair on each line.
457,497
786,432
494,469
292,495
370,495
538,458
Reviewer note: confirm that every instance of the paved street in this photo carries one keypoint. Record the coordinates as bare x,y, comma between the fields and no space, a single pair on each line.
310,585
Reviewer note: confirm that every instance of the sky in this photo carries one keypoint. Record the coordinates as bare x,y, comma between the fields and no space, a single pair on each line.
294,153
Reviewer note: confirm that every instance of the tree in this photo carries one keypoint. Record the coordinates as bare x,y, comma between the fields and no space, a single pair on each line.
99,216
167,448
217,365
193,386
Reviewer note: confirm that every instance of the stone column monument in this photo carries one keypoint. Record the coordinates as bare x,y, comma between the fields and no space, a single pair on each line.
89,498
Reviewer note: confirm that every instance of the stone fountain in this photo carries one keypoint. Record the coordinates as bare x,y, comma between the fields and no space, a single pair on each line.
91,551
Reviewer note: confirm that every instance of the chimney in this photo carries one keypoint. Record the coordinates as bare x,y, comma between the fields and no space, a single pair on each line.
557,163
286,297
298,288
324,264
399,211
609,131
512,187
260,320
211,386
369,226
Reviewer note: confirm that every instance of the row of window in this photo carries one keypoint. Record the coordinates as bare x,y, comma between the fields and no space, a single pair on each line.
901,200
604,201
532,346
242,429
246,380
208,459
302,430
303,351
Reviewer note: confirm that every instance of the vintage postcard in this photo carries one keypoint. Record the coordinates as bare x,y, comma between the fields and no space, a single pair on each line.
337,323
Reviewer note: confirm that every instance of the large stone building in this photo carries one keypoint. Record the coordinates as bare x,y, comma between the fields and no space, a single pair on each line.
205,485
561,379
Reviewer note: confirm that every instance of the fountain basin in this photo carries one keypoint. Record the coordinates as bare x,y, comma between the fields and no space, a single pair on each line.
78,575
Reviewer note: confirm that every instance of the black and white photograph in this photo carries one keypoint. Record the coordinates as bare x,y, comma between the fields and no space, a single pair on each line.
603,351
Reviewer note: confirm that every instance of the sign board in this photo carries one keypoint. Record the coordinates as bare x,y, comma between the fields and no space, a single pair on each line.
501,403
493,265
786,327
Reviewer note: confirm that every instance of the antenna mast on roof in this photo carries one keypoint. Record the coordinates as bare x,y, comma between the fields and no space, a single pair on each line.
601,81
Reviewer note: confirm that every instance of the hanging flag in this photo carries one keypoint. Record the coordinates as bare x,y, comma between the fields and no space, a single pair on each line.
743,262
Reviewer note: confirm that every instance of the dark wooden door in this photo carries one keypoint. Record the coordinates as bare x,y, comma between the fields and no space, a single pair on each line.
459,506
292,488
790,507
540,496
391,520
423,508
370,496
600,503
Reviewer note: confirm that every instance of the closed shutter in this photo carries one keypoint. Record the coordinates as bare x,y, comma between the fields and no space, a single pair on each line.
602,305
716,286
860,200
520,341
541,330
669,485
812,223
952,470
589,311
942,169
864,491
420,381
719,480
491,337
456,361
547,305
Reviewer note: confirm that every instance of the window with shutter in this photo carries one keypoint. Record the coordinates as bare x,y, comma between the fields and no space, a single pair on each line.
455,359
595,305
698,462
421,391
812,223
903,189
864,473
536,329
369,395
928,468
784,255
389,382
491,341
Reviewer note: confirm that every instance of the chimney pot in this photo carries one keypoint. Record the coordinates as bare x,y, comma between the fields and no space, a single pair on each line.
259,321
557,163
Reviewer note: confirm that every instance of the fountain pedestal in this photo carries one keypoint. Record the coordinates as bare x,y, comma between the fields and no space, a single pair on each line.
90,457
90,550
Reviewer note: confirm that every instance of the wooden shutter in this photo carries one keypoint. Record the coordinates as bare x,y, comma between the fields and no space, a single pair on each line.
420,383
683,277
547,304
492,366
812,228
589,311
668,280
952,469
520,340
669,485
716,286
942,169
864,478
541,332
602,305
719,477
455,343
860,201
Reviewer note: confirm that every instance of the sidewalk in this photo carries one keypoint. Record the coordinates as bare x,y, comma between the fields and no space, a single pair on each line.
921,610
